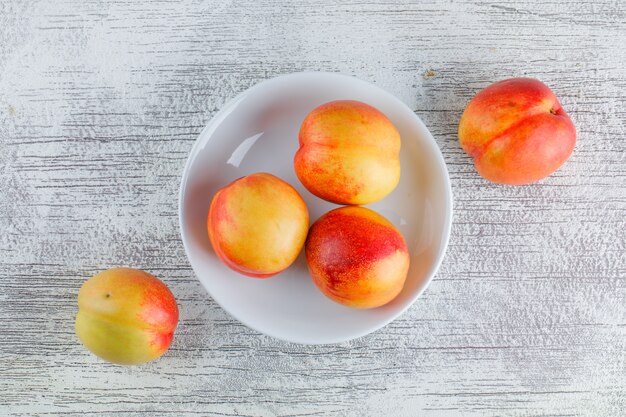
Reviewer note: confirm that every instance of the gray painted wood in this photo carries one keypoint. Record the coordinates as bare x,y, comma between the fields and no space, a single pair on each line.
100,103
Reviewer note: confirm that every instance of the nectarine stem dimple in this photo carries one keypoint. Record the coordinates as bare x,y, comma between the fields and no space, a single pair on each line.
552,111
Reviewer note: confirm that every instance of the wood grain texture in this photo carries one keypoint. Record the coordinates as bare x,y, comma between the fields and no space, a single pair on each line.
100,103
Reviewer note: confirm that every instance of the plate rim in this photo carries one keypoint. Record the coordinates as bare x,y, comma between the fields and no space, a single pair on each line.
226,108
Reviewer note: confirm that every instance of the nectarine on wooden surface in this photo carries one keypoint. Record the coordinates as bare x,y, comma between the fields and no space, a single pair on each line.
516,131
126,316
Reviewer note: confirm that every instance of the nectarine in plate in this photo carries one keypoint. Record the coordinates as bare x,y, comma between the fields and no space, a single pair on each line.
257,131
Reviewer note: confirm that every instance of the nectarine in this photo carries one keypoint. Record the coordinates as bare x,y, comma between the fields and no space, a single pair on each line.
257,225
516,131
349,153
126,316
356,257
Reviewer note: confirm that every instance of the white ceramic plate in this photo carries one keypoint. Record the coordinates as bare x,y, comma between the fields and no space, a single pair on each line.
258,131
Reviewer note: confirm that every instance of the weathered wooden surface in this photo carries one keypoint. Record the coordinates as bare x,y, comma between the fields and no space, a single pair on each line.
100,102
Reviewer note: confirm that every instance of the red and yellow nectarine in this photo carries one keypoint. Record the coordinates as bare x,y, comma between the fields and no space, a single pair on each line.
126,316
516,131
356,257
257,225
349,153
